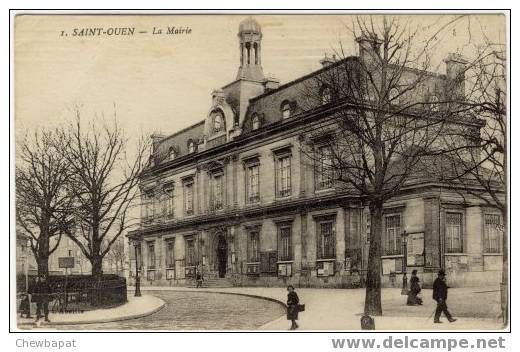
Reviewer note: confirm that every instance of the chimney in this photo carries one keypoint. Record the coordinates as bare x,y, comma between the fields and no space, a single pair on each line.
326,61
217,97
156,138
369,48
271,83
455,74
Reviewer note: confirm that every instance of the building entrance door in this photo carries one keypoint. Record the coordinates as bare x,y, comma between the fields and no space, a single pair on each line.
221,255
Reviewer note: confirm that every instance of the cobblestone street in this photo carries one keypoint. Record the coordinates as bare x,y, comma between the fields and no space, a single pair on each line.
199,311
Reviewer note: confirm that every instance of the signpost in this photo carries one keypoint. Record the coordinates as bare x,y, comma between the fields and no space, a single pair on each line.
66,263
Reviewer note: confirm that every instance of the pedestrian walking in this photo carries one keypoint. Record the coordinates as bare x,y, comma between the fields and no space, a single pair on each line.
415,289
41,295
440,294
292,307
199,278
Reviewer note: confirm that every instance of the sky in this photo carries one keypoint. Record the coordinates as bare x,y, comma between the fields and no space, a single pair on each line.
162,83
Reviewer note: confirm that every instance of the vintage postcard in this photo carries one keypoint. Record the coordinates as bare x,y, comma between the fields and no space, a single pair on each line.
261,172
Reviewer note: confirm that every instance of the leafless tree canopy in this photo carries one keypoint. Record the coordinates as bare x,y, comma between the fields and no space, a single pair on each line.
388,117
43,203
104,180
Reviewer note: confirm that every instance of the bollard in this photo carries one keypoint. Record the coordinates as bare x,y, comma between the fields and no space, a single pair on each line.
367,323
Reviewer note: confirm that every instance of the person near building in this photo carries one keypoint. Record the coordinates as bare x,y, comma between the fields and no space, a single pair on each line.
25,305
41,294
292,307
440,294
415,289
199,279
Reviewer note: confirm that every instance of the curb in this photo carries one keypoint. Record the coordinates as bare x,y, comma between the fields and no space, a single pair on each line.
109,320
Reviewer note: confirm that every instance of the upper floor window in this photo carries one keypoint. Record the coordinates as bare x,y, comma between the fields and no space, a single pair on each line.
326,238
151,255
149,205
324,170
492,233
255,120
169,199
283,175
217,191
170,253
454,233
188,197
393,234
326,95
286,110
393,96
191,146
252,182
253,246
284,242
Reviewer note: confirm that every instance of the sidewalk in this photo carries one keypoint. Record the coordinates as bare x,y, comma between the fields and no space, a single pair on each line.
136,307
340,309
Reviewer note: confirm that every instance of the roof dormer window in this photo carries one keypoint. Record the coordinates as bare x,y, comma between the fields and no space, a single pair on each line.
171,153
255,121
217,122
286,110
191,146
326,96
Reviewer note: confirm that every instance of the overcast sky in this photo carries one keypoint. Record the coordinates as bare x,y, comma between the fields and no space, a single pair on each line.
163,83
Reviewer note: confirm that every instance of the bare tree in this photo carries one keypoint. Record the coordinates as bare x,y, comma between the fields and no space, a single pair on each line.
385,116
43,203
479,167
104,180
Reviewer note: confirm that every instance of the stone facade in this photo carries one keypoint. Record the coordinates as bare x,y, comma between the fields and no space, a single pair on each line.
237,197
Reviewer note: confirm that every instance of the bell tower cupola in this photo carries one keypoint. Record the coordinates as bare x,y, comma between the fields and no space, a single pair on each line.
250,45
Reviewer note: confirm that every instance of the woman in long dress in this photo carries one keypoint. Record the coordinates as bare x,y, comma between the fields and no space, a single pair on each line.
415,288
292,307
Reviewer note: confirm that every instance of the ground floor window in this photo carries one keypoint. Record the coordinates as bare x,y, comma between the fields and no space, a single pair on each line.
190,251
253,248
454,232
170,258
326,238
492,233
151,255
392,241
284,242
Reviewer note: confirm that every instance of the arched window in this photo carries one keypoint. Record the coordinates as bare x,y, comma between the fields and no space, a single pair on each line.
191,146
434,103
171,153
217,122
326,96
286,110
393,96
255,121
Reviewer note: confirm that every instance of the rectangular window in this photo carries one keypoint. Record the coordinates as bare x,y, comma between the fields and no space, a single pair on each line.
326,239
393,245
190,252
253,250
492,233
149,208
188,197
284,242
252,179
283,176
170,257
324,171
151,255
454,233
217,192
169,193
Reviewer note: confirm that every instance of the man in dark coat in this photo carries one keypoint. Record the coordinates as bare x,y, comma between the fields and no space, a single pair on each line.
440,294
292,307
415,289
41,295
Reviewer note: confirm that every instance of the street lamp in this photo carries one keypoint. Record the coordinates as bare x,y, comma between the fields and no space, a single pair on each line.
137,269
405,250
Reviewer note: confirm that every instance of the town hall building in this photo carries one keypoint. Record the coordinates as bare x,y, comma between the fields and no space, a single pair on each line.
237,197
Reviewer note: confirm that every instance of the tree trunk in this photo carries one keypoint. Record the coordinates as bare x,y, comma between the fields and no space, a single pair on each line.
42,257
43,265
373,282
97,266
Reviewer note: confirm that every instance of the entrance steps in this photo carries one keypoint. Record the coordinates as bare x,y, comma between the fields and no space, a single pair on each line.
212,283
